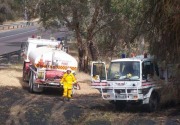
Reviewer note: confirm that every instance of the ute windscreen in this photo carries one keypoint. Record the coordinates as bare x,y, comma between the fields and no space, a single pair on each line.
125,70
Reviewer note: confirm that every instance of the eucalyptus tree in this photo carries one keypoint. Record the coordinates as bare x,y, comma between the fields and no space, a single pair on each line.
18,9
28,9
6,12
84,17
119,36
97,24
162,28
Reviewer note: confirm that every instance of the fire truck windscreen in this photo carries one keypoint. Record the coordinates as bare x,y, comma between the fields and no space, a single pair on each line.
124,71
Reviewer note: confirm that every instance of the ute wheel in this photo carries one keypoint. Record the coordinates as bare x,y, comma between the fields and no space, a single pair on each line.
153,102
120,105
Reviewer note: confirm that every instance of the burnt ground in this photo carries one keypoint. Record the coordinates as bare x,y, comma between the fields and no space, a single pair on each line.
19,107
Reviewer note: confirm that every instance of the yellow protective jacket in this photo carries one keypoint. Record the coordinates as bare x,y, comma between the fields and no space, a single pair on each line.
68,80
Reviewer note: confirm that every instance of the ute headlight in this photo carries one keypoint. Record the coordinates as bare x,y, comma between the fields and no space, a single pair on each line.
136,91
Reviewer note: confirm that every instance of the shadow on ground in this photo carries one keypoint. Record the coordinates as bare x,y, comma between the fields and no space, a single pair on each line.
19,107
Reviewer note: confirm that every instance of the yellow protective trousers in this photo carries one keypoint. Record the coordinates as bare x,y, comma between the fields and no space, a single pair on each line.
67,92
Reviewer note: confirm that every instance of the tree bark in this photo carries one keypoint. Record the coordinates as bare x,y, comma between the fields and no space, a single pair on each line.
80,51
90,33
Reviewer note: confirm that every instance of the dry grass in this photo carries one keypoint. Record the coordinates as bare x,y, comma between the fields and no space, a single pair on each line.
170,93
11,76
85,84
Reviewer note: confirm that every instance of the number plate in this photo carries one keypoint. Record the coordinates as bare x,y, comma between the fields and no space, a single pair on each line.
121,96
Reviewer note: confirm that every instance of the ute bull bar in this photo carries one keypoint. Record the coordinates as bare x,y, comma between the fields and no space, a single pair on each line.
119,93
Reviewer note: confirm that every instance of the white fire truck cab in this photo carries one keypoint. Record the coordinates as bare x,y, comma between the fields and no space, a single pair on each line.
128,80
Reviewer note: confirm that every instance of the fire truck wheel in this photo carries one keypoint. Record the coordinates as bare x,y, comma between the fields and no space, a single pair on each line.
31,86
120,105
153,102
24,75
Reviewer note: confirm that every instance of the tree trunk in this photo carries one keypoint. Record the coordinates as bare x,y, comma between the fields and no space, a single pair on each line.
92,51
86,61
83,53
80,50
88,51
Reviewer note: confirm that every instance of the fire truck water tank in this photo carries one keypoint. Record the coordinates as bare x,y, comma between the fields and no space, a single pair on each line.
52,57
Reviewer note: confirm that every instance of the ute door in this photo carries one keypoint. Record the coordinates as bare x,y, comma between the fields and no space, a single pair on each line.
98,74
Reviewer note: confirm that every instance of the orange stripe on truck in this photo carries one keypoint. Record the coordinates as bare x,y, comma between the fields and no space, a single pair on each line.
56,67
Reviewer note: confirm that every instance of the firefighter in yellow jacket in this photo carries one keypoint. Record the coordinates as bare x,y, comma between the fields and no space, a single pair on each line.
68,80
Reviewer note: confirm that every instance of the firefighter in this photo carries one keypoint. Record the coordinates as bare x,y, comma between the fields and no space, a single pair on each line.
68,80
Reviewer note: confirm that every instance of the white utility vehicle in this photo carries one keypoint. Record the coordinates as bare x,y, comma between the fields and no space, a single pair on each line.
128,80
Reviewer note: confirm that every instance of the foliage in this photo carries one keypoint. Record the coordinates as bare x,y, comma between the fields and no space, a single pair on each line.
6,12
161,26
18,9
85,18
107,27
118,37
96,23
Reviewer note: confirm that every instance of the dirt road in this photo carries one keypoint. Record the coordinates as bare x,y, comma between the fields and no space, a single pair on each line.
19,107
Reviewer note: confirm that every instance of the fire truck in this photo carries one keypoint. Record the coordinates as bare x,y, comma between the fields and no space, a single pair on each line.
132,80
45,61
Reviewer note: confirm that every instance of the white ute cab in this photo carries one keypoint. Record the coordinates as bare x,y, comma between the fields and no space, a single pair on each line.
129,80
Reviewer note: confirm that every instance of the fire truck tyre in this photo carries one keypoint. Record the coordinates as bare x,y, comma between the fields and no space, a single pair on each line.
32,87
31,83
120,105
24,75
153,102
